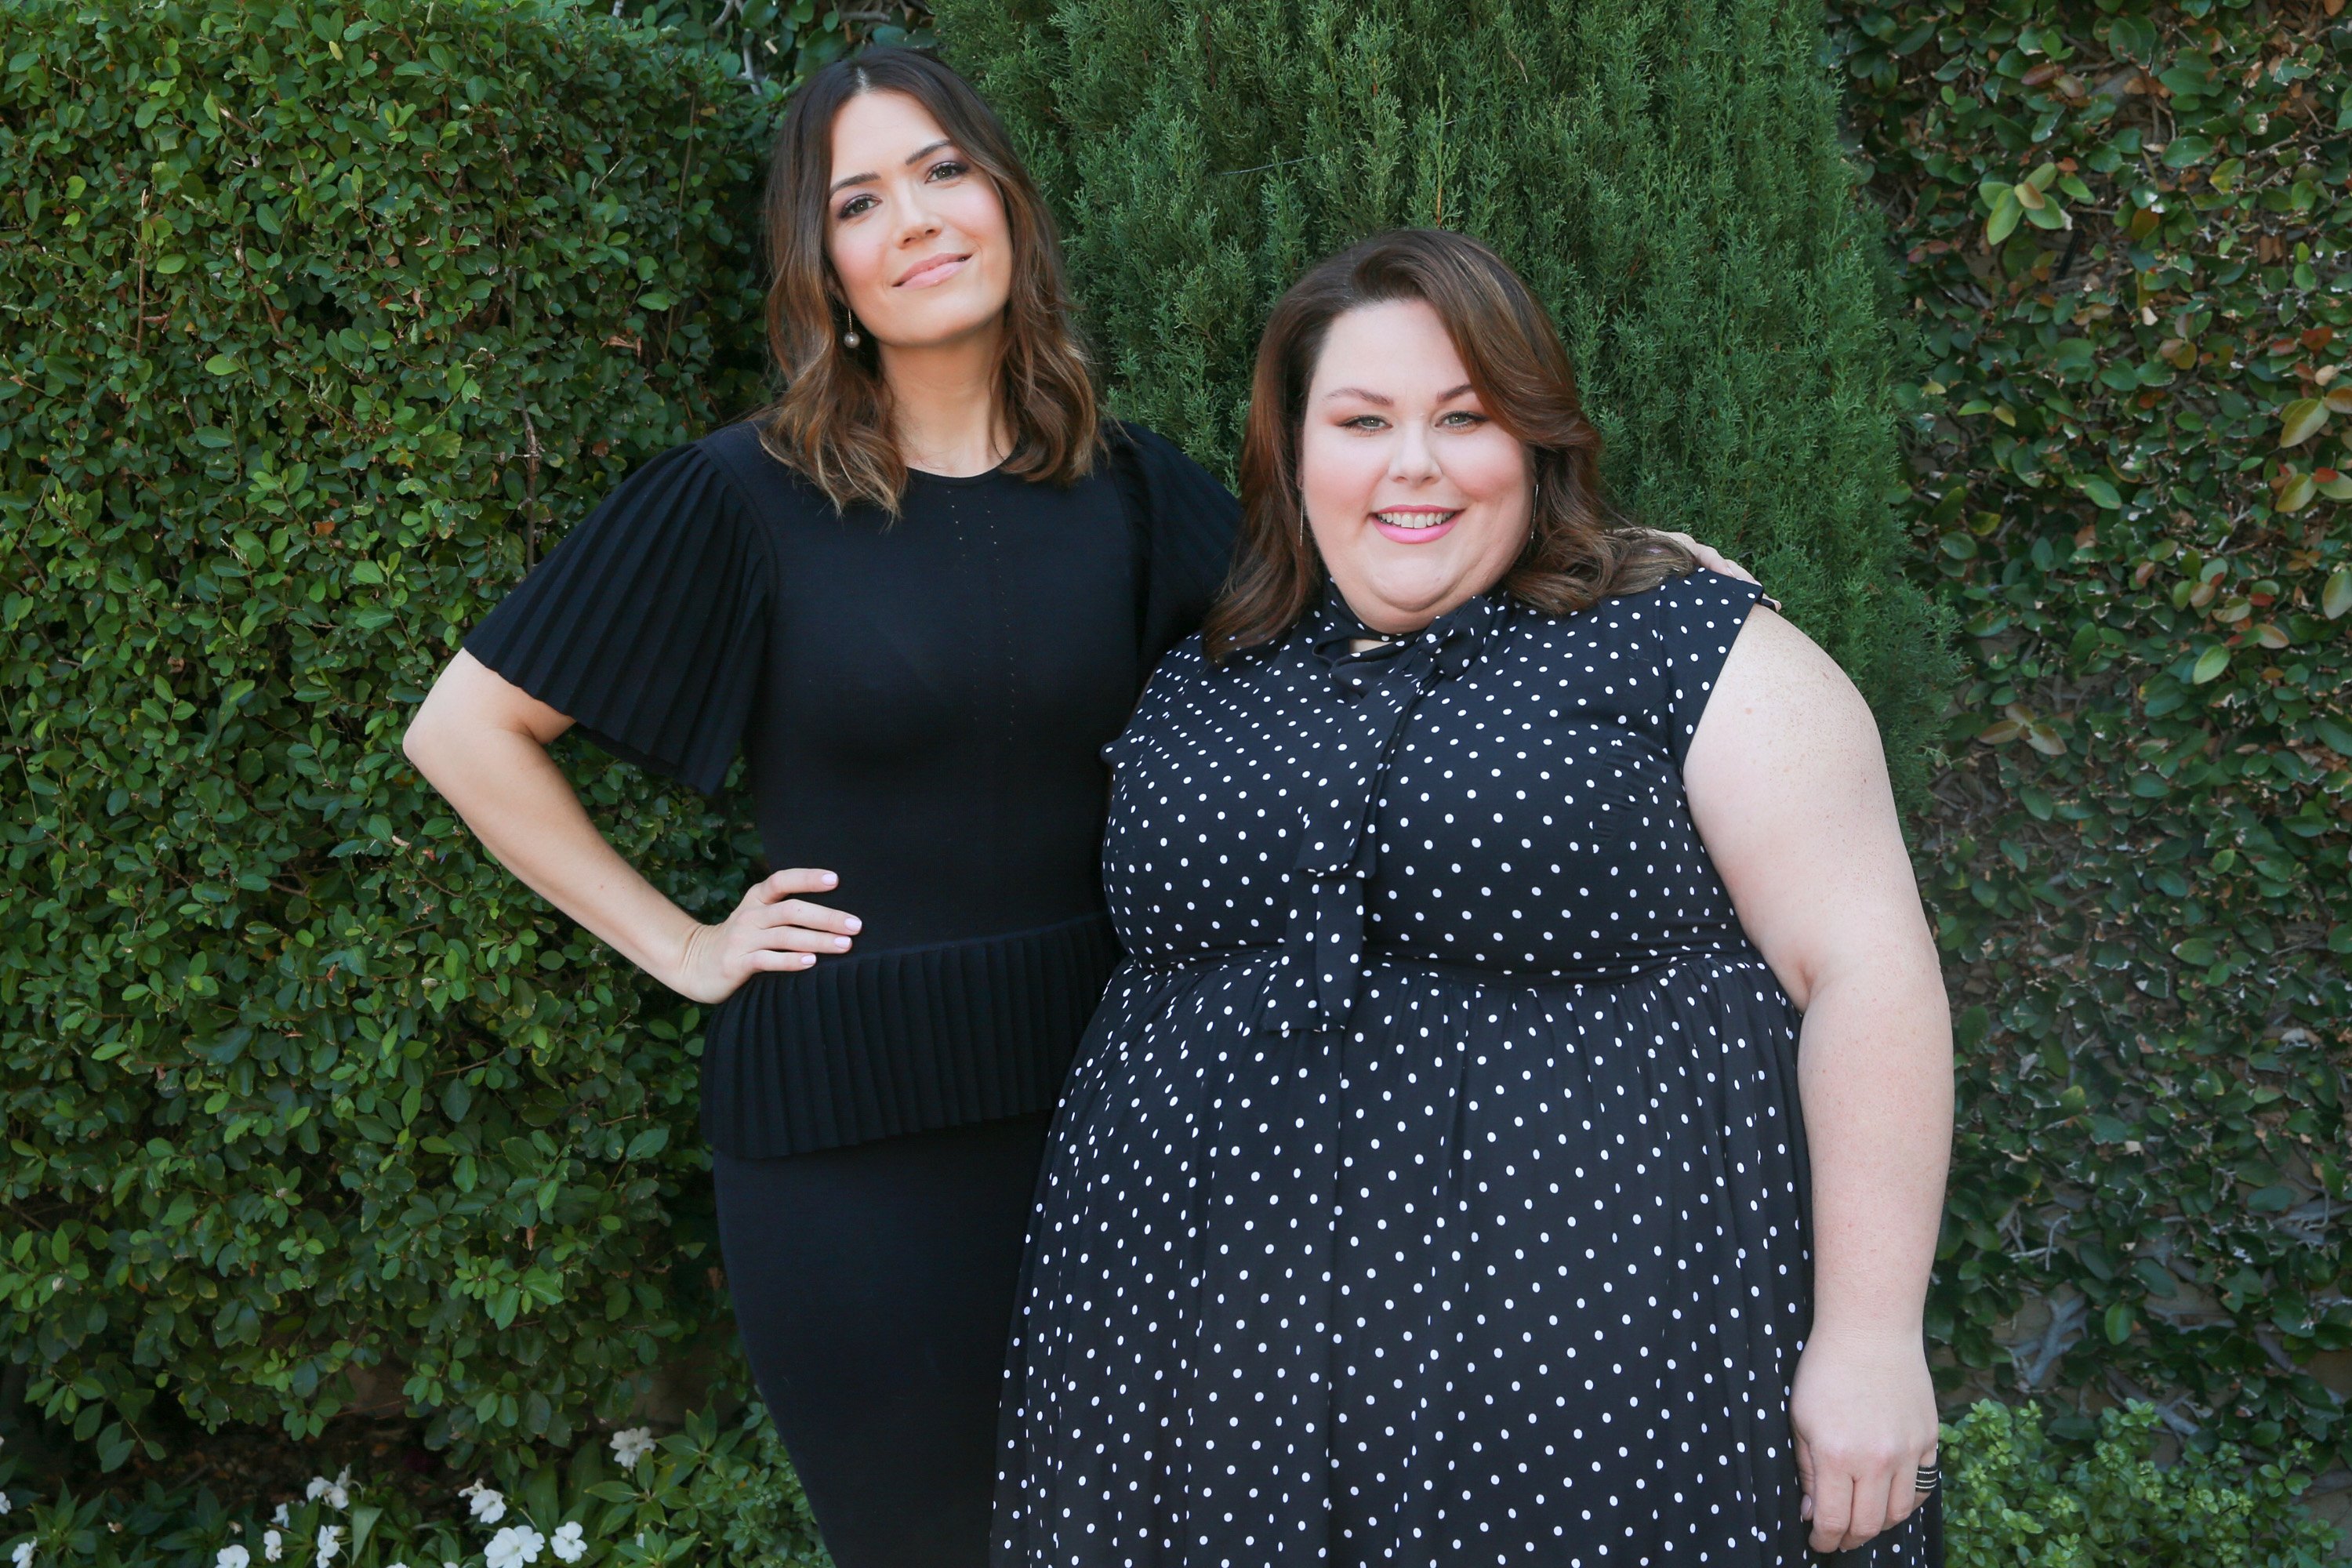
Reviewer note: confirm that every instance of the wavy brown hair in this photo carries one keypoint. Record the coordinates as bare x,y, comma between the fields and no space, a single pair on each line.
1579,550
832,421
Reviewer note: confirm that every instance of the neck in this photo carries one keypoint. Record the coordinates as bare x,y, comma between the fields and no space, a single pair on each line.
943,399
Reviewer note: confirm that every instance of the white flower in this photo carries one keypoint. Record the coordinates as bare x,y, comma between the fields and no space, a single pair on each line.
4,1502
331,1541
333,1491
631,1444
279,1518
570,1543
233,1557
273,1545
23,1555
490,1507
514,1546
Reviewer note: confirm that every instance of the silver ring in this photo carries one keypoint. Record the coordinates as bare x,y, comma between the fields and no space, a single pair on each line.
1927,1478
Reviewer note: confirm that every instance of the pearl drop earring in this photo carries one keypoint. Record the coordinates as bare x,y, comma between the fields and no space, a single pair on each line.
850,340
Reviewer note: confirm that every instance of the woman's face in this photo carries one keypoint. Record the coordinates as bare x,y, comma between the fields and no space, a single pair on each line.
916,233
1417,499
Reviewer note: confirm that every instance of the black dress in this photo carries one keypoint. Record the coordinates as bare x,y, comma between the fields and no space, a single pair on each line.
1430,1187
922,702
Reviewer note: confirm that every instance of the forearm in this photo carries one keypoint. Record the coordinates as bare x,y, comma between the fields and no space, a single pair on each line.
518,802
1874,1075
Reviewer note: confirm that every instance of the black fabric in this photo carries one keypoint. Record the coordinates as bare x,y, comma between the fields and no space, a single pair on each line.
872,1290
1431,1186
922,701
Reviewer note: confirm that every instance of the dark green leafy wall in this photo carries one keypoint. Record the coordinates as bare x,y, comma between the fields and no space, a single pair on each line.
2122,232
1669,182
321,320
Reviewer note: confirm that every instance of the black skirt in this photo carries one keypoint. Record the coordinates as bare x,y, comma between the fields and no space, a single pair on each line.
874,1289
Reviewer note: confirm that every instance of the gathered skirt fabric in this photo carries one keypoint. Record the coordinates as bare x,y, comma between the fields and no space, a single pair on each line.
1504,1272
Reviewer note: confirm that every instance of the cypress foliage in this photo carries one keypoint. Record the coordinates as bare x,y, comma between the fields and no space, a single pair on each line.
1668,179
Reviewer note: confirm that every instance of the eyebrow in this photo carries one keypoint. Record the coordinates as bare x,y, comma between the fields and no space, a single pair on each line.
1374,397
916,156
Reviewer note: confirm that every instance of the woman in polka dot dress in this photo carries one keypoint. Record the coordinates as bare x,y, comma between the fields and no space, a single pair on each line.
1449,1176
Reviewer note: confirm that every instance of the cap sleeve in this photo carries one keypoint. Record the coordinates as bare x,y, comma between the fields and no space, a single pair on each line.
1700,616
647,623
1185,523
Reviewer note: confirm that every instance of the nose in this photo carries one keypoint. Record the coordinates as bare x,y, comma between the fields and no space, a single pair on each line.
918,223
1412,460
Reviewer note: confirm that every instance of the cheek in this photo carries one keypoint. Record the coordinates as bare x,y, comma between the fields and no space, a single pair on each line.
1491,466
1337,472
856,260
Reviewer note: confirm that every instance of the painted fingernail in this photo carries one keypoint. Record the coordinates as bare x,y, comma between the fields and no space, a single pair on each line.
855,923
840,941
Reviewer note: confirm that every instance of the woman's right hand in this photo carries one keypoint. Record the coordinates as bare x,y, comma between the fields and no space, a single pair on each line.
773,928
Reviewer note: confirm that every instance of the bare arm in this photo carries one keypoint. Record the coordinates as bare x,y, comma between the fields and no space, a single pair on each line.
1788,786
482,742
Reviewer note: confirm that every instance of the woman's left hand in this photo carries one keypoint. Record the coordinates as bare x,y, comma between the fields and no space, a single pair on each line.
1862,1411
1713,559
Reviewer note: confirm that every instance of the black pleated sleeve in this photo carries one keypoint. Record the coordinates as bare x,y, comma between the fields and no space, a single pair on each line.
1186,524
648,624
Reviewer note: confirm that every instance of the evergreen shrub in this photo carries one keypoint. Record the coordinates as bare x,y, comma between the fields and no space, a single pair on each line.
2017,1498
322,318
2126,253
1667,179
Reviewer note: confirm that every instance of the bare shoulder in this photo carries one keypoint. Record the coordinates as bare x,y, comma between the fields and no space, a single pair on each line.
1779,690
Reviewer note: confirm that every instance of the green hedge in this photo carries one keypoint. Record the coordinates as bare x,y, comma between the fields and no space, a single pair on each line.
1667,179
2123,234
322,320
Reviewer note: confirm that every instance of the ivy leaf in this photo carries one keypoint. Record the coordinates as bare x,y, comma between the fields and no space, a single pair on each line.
2301,420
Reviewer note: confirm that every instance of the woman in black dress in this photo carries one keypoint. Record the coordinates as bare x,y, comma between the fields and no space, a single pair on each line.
1434,1185
919,594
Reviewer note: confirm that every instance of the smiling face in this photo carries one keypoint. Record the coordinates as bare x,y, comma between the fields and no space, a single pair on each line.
1417,499
916,233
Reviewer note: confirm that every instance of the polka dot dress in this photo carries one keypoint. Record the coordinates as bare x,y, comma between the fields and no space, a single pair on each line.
1430,1188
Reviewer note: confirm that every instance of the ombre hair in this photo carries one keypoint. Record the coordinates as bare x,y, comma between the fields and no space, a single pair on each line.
833,422
1580,550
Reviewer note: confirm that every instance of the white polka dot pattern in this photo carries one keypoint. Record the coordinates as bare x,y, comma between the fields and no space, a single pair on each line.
1430,1187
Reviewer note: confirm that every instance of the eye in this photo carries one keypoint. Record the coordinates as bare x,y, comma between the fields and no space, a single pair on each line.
948,168
853,205
1462,419
1363,422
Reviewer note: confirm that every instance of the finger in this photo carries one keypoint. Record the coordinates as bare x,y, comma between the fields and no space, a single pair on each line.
1833,1507
817,917
1869,1516
1902,1494
797,879
760,959
796,939
1805,1478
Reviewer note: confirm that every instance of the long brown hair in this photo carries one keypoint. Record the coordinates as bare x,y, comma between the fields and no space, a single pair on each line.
832,421
1579,551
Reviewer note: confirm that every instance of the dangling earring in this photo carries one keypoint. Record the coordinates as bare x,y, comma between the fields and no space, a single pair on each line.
850,340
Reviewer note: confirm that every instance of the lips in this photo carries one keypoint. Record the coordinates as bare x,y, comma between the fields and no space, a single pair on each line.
933,269
1415,525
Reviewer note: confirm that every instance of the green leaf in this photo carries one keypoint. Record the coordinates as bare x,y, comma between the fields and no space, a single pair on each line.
2334,732
2301,420
2003,222
649,1144
2210,664
222,364
2183,151
2196,952
2100,492
2335,598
